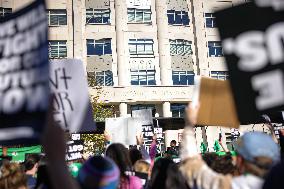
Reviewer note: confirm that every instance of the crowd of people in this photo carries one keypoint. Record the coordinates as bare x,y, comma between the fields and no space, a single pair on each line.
256,165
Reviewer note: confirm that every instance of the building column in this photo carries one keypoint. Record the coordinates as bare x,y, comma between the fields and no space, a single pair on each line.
123,109
163,42
122,50
167,109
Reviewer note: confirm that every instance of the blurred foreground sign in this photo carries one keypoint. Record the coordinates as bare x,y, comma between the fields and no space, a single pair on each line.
24,87
216,104
72,108
252,41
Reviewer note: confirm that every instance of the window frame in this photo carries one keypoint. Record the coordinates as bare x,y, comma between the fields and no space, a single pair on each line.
180,42
95,12
184,17
186,74
106,75
179,108
102,42
220,75
140,77
211,17
58,45
135,11
48,12
5,12
141,42
212,44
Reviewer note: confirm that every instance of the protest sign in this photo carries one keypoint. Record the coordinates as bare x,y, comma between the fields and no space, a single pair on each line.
252,41
148,130
72,108
24,71
123,129
74,150
217,106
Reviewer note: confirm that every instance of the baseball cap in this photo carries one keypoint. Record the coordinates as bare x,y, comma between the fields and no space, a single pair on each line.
257,144
99,172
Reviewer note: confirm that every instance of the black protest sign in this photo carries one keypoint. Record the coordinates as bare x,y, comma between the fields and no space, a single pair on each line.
252,41
74,150
24,87
72,109
148,132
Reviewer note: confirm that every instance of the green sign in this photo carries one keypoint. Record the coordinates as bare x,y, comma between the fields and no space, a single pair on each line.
18,154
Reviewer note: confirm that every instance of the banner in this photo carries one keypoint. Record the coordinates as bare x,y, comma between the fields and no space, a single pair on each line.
24,89
18,154
72,108
252,41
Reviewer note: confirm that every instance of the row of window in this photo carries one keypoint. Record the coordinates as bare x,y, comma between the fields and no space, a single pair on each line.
137,47
58,17
147,77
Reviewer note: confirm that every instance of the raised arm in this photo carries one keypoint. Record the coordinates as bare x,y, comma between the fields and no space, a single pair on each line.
55,147
194,169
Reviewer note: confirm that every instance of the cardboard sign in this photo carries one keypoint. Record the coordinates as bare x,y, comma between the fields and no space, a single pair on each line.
123,129
72,108
252,41
74,150
24,89
217,106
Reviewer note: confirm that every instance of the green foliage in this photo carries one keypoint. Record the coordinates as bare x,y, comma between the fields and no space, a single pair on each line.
100,109
93,144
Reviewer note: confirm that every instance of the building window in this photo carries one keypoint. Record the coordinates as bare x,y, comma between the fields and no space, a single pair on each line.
180,47
143,77
98,47
215,48
139,47
97,16
178,110
104,78
57,17
210,20
222,75
177,17
142,107
57,49
5,11
183,77
139,15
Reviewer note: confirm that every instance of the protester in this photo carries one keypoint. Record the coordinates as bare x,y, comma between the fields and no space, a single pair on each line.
120,155
12,176
142,170
43,179
166,175
100,173
257,153
31,167
173,150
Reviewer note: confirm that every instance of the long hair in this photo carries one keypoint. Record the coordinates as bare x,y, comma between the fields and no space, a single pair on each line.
119,154
166,175
12,176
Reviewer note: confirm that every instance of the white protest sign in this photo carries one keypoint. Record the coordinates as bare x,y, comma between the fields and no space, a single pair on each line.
123,129
69,86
